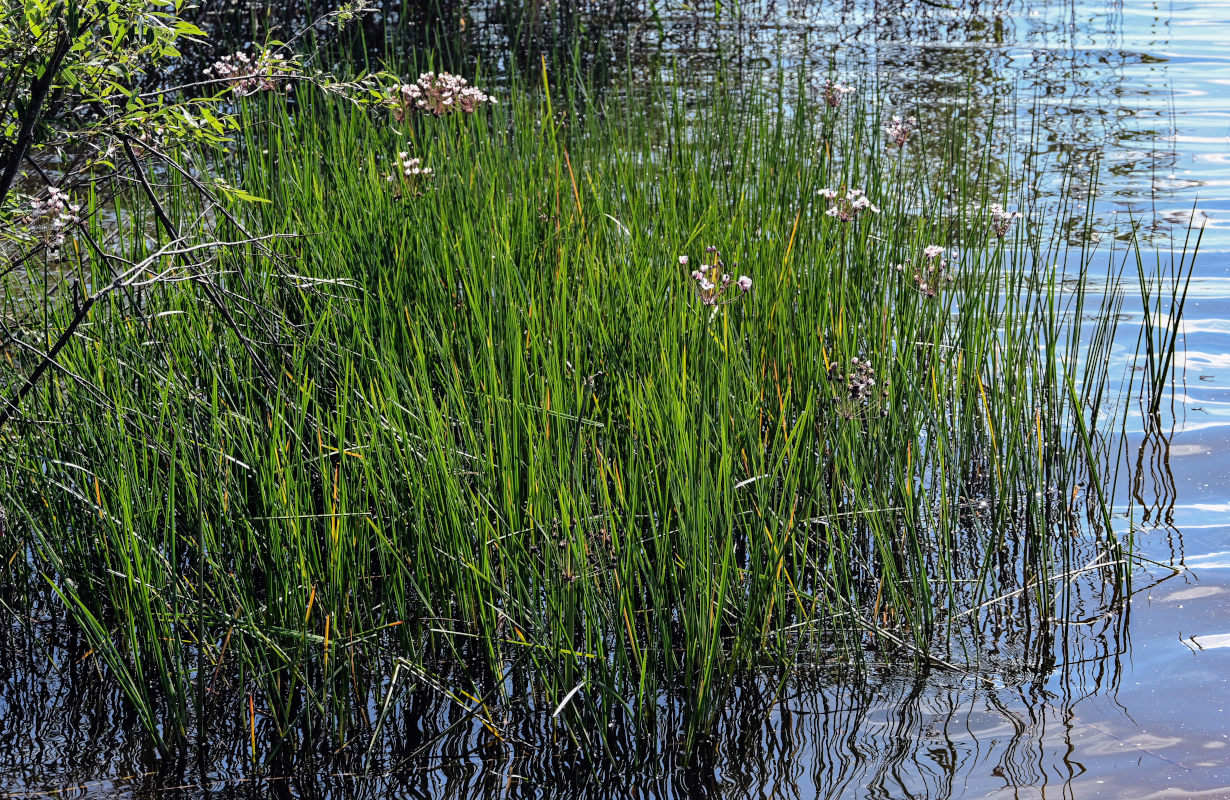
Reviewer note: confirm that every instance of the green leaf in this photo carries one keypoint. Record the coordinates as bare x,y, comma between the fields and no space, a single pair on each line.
236,192
188,29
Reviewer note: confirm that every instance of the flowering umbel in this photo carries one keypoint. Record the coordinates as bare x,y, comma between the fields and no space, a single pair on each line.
835,92
1001,220
900,130
849,206
712,281
246,75
854,387
932,272
56,215
410,173
440,94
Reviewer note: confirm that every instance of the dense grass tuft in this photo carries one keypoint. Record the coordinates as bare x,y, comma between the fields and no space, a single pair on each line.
482,433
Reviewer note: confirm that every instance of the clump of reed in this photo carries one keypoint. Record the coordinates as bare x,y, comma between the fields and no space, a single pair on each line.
488,433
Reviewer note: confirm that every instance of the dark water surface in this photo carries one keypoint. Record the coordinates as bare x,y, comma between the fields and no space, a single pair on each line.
1133,705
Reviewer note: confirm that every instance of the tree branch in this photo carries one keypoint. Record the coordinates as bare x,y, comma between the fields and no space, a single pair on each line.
25,136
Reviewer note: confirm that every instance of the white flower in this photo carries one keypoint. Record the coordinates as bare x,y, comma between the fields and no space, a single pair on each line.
849,207
900,130
834,91
745,283
1001,220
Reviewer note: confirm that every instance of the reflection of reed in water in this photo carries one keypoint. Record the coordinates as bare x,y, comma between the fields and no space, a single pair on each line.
975,56
49,685
586,40
886,736
1153,483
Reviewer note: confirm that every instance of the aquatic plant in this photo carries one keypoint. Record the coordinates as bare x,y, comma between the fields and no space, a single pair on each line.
1002,220
479,443
245,75
53,218
712,280
834,92
437,94
899,130
932,272
847,205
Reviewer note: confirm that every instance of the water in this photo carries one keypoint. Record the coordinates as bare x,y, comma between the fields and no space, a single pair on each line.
1132,706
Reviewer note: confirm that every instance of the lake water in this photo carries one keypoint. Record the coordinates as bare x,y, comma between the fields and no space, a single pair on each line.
1135,705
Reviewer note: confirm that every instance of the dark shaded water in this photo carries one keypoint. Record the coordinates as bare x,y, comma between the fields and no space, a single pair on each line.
1131,705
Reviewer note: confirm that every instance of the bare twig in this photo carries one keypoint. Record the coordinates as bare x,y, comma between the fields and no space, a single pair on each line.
206,286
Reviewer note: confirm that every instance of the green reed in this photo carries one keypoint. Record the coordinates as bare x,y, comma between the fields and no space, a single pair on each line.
482,435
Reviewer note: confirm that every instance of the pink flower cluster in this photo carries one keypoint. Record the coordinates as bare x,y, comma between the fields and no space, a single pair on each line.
58,214
1001,220
859,379
712,281
848,207
246,75
410,173
412,167
900,130
854,390
436,93
835,92
932,272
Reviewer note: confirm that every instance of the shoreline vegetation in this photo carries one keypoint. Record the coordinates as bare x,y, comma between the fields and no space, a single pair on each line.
389,385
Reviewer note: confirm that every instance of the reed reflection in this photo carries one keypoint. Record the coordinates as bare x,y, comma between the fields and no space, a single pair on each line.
1153,481
62,724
